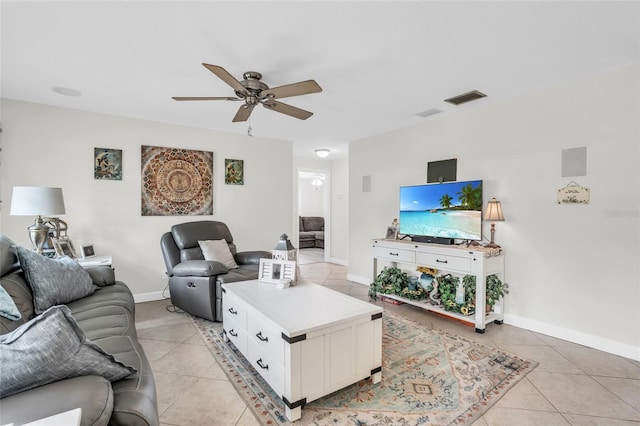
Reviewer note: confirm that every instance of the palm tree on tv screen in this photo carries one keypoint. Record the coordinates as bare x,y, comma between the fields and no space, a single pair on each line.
471,197
445,201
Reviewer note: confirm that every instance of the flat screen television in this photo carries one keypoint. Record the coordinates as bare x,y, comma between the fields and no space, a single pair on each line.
449,210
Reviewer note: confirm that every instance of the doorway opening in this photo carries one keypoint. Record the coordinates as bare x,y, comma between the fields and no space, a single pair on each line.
313,215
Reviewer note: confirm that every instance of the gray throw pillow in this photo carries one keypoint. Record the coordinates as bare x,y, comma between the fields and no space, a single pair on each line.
49,348
8,308
54,281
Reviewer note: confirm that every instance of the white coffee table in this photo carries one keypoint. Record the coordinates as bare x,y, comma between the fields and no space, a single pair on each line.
68,418
306,341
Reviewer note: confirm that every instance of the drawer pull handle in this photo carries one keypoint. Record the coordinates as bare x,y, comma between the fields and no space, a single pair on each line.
441,261
233,311
233,333
394,254
262,365
261,337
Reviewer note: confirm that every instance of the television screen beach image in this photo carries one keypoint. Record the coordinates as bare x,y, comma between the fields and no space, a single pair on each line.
445,210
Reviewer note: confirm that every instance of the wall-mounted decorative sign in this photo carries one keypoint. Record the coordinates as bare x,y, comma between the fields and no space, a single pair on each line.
176,182
107,164
573,194
233,172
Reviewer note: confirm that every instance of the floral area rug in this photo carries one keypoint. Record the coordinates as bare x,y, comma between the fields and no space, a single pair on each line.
429,377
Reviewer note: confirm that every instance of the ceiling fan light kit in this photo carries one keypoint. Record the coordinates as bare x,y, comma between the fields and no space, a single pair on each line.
253,91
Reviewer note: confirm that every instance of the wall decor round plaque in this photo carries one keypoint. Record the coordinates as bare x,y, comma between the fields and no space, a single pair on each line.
176,182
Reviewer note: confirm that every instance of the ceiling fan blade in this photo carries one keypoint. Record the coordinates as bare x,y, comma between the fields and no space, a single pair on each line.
226,77
287,109
294,89
204,98
243,113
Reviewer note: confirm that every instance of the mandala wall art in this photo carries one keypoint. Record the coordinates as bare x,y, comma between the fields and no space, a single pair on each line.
176,182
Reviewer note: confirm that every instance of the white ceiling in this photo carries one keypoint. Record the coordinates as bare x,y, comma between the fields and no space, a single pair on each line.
379,63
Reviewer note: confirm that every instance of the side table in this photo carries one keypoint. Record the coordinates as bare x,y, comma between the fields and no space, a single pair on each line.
95,261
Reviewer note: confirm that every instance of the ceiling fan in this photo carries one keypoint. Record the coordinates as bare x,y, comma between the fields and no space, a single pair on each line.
253,92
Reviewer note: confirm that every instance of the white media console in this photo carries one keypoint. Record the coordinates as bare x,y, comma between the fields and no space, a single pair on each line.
457,260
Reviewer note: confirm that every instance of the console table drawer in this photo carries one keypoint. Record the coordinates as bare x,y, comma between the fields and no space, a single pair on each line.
397,255
444,262
267,338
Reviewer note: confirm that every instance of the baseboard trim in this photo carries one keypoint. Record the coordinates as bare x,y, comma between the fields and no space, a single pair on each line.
337,261
595,342
358,279
148,297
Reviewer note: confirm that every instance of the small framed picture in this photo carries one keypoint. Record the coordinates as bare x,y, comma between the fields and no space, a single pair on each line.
64,247
233,172
87,251
107,164
392,233
276,271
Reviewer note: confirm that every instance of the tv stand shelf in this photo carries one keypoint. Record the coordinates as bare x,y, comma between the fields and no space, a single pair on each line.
457,260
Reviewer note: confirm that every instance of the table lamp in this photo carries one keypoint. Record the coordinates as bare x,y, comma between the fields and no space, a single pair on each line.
494,214
37,201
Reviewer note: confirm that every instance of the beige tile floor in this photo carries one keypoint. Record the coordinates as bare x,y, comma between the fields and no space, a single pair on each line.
573,385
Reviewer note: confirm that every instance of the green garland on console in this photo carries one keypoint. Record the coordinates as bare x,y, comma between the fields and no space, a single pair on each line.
392,280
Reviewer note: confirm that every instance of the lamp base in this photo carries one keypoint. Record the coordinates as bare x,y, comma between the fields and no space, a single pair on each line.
38,234
493,234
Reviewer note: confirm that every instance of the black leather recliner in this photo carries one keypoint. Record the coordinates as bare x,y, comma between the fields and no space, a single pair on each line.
195,283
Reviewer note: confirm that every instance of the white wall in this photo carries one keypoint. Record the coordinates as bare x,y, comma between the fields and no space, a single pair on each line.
340,210
573,270
311,198
48,146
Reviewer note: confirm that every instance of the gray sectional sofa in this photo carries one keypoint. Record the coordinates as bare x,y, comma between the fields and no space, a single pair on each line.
311,232
92,338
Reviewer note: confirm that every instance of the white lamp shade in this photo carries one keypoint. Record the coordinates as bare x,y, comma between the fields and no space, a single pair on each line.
494,211
36,201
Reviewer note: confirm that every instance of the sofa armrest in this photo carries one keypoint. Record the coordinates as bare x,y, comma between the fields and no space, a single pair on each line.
252,257
199,268
102,275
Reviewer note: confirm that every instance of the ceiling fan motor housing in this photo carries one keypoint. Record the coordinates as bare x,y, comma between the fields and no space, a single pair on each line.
252,83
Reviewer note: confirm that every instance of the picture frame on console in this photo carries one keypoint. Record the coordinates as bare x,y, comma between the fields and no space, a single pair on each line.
87,251
392,233
276,271
64,247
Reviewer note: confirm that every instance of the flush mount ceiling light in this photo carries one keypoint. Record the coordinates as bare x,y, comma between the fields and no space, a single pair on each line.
322,152
66,91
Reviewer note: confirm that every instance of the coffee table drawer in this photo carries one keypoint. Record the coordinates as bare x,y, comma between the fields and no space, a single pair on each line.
266,337
234,309
236,334
269,369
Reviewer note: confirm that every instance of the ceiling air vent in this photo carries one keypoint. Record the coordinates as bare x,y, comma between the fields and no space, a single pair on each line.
466,97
